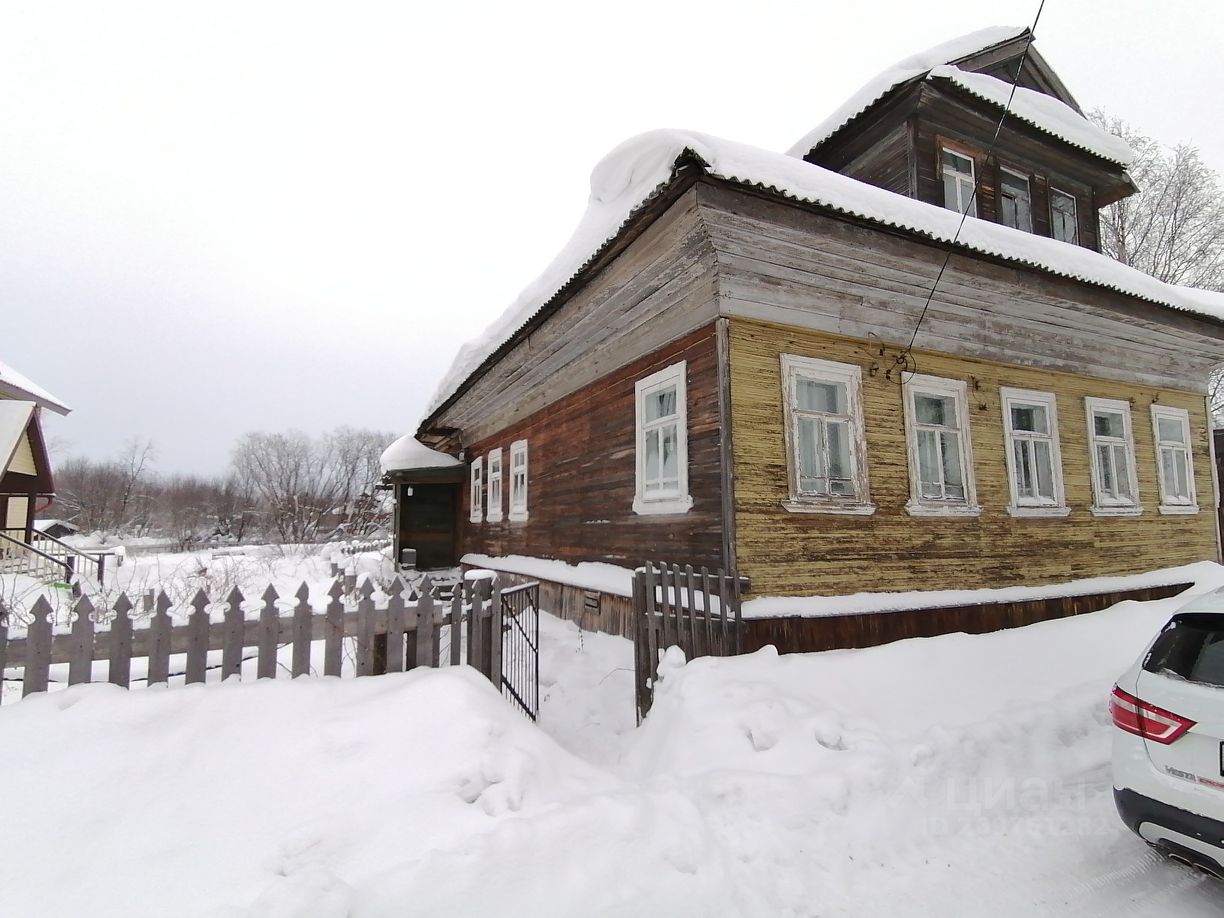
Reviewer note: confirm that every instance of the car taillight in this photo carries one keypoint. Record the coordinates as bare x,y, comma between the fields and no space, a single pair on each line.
1142,719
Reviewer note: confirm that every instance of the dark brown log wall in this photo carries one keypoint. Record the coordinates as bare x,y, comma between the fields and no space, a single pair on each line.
581,464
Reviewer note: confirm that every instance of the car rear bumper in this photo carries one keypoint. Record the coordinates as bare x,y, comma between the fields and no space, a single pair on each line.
1198,840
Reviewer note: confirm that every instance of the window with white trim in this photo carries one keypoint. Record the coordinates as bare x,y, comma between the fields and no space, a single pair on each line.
1174,460
1064,224
494,512
1115,488
958,182
518,480
1015,201
662,442
1034,458
475,513
826,447
940,454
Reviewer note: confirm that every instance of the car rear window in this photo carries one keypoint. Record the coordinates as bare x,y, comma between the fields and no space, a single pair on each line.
1190,646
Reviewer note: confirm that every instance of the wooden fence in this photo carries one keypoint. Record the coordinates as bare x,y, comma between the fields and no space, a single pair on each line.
697,611
401,632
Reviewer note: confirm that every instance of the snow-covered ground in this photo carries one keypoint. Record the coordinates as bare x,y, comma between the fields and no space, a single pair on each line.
944,776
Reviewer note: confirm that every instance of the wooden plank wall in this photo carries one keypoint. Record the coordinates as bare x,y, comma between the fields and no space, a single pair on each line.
581,466
788,554
792,634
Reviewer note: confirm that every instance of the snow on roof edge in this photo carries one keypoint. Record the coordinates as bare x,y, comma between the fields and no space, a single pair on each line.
648,164
410,453
1043,112
902,71
23,384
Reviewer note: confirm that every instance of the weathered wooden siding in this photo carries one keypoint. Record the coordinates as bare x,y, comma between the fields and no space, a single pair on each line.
581,464
792,265
661,287
794,554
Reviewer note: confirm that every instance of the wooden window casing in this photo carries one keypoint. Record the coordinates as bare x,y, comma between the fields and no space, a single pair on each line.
475,495
1033,453
1064,216
1015,202
963,184
826,446
661,410
494,512
1174,459
1115,485
942,481
518,481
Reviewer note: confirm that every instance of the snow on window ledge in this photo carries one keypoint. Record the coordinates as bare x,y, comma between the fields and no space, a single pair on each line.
798,505
518,516
1117,511
671,505
1052,511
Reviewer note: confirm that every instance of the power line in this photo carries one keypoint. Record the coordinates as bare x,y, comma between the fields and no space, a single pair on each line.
904,356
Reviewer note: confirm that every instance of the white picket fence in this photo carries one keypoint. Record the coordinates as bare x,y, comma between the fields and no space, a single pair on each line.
402,630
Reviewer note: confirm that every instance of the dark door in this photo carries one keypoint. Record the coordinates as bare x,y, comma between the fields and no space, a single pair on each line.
427,523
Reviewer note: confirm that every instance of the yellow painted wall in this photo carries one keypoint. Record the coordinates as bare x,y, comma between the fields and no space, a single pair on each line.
788,553
18,507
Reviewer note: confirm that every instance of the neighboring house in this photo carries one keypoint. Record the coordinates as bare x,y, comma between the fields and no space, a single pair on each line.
25,470
56,529
717,369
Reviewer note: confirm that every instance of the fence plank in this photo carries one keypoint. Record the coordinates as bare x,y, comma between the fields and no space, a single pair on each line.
691,587
80,666
424,629
159,641
197,639
4,619
724,640
121,643
333,641
302,628
707,611
231,652
495,637
269,634
38,648
456,628
365,628
652,664
395,625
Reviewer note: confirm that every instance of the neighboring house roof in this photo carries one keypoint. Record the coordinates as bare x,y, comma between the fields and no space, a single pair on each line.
636,171
44,525
409,453
910,68
14,385
1042,111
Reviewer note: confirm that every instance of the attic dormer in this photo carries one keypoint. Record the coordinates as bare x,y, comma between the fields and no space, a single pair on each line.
923,128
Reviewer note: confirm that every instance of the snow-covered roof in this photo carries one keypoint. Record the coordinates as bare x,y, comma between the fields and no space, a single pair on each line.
633,172
44,525
15,419
410,453
17,385
1047,114
916,65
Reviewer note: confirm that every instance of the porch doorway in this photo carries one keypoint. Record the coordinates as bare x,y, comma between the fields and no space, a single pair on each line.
427,514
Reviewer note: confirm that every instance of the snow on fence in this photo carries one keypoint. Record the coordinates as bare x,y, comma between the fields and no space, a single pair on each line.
399,633
697,611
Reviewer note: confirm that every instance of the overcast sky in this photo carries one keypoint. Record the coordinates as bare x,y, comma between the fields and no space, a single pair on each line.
217,218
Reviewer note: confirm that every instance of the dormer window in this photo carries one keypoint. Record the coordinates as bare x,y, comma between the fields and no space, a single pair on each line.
958,182
1063,223
1015,203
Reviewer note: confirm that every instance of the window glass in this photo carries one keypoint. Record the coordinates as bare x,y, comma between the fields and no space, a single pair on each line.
940,466
1063,225
958,182
1113,455
662,444
1014,201
1034,464
814,395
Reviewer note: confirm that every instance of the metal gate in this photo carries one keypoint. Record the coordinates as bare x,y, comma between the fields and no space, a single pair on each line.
520,662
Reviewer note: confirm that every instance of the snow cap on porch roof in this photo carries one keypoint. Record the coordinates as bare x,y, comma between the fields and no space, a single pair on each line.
408,453
14,385
641,167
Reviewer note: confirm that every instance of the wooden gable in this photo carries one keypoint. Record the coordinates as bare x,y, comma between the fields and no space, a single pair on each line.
1003,60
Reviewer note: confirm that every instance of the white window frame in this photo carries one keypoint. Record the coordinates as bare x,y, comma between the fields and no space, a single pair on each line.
678,500
1074,240
1030,506
494,512
518,496
475,491
944,170
1028,186
1103,505
1175,505
795,367
918,384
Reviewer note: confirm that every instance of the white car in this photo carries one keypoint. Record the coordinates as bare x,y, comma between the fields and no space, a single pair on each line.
1168,750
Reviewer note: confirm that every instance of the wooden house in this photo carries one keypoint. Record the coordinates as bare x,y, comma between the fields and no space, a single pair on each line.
25,469
809,370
